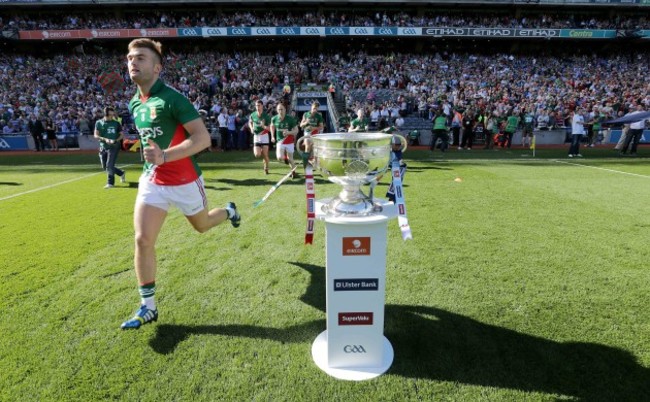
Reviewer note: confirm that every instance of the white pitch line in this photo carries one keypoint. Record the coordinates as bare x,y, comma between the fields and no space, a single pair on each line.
607,170
55,184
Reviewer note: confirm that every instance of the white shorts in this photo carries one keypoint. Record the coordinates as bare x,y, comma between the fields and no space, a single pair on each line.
189,198
280,148
261,139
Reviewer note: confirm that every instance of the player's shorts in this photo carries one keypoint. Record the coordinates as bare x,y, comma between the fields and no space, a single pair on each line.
261,140
280,148
189,198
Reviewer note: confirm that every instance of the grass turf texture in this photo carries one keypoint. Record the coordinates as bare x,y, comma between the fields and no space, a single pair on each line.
526,280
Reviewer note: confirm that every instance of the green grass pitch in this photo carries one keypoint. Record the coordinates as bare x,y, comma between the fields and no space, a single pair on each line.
527,280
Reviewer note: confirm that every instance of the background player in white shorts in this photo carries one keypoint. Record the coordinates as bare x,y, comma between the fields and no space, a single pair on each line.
283,132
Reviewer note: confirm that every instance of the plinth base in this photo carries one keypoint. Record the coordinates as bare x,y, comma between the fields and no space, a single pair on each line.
319,354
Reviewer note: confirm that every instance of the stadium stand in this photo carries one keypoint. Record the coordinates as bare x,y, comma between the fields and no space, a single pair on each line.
499,60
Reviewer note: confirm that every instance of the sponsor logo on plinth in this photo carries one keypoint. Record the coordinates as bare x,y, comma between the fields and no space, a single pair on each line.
355,318
356,284
356,246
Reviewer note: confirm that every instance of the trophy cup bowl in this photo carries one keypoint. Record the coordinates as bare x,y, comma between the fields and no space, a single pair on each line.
351,160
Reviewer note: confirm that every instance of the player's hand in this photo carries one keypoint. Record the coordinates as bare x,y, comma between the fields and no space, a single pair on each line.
153,154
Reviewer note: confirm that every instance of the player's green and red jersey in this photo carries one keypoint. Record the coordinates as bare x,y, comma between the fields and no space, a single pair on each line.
160,116
315,119
109,129
281,126
361,123
258,122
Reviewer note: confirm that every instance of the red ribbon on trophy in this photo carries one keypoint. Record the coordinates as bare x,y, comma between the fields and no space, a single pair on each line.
311,207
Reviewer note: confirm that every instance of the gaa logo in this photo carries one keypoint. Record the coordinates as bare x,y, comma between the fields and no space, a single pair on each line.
361,31
239,31
261,31
312,31
356,246
337,31
288,31
189,32
410,31
4,144
354,349
386,31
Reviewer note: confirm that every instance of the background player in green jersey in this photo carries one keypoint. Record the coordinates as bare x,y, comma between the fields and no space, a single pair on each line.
260,124
171,132
511,127
529,123
109,133
284,129
360,124
312,122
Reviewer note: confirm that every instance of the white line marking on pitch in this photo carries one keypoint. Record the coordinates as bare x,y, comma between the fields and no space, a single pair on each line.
55,184
607,170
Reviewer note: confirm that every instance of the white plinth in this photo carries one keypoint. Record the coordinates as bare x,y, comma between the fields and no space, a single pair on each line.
319,353
354,347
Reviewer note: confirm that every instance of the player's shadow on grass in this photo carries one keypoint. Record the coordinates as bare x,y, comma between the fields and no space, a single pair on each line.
244,182
129,185
435,344
169,336
10,183
218,188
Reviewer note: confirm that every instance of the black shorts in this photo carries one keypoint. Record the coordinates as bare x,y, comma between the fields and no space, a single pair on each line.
261,144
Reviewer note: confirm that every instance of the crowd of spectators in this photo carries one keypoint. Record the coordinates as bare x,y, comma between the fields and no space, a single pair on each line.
69,88
431,18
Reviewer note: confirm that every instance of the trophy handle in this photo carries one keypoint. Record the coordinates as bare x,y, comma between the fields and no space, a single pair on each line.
404,142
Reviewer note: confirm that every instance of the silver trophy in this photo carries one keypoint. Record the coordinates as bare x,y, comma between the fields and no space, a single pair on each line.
351,160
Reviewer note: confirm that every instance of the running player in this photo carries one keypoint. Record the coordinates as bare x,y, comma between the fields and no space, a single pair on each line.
283,132
259,123
171,132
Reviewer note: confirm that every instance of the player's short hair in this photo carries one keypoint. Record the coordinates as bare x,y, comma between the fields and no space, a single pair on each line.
108,109
147,43
315,103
